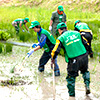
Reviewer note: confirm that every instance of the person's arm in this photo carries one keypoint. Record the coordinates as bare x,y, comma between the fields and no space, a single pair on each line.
26,27
50,27
51,21
56,49
32,50
86,44
65,22
20,25
65,19
36,48
42,40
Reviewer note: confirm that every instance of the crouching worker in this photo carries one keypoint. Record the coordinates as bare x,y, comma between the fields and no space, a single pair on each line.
47,41
17,23
75,55
85,31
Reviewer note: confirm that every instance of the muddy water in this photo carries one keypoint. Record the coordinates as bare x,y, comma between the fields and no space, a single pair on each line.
39,86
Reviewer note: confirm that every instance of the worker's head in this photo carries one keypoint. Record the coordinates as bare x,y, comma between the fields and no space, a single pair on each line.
76,22
35,25
61,27
26,20
60,10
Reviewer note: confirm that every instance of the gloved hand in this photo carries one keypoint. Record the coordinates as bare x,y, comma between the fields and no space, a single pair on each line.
34,45
23,30
28,31
30,52
50,28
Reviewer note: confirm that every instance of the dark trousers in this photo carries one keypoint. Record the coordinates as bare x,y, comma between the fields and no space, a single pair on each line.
44,59
74,66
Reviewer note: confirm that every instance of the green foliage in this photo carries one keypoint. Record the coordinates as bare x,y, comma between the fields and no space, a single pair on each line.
43,15
8,48
1,47
22,36
4,35
94,26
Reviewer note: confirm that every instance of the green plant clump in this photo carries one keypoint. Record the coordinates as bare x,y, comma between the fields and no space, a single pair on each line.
4,35
8,48
1,47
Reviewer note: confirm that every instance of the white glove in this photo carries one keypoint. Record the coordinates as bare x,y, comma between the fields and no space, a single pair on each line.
50,28
23,30
30,52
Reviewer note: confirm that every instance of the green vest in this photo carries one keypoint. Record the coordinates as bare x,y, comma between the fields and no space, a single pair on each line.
72,43
18,21
49,36
81,26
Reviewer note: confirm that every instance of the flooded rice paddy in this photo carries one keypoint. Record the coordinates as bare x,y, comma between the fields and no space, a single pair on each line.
33,85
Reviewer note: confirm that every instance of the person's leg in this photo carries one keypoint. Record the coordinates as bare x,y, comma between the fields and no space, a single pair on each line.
71,85
85,72
86,77
72,71
56,69
17,29
43,60
88,36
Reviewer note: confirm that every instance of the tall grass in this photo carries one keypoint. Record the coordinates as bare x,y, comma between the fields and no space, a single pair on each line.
9,14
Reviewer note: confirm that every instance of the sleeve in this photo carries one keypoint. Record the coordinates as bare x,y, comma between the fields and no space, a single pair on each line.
86,44
53,15
75,29
56,49
64,17
42,40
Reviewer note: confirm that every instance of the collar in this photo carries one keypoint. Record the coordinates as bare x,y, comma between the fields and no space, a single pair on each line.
39,31
64,31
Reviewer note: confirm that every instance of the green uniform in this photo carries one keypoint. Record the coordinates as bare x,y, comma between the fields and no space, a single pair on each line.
76,56
56,18
85,31
70,40
82,26
49,36
18,21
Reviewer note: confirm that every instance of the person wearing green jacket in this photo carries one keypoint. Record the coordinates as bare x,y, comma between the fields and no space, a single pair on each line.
57,17
85,31
75,55
18,23
46,41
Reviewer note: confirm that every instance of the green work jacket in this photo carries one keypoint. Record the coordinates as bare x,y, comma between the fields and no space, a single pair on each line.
72,43
56,18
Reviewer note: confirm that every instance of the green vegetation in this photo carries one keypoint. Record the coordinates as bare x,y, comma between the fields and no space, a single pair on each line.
5,36
35,10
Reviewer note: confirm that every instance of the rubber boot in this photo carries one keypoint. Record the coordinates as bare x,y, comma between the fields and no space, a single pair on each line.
86,77
71,85
41,69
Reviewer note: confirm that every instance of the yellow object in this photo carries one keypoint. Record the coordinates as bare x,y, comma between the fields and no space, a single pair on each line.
55,48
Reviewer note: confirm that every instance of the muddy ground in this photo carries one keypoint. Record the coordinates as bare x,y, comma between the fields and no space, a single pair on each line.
32,85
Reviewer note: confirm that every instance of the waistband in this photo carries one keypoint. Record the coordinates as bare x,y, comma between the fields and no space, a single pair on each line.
79,56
